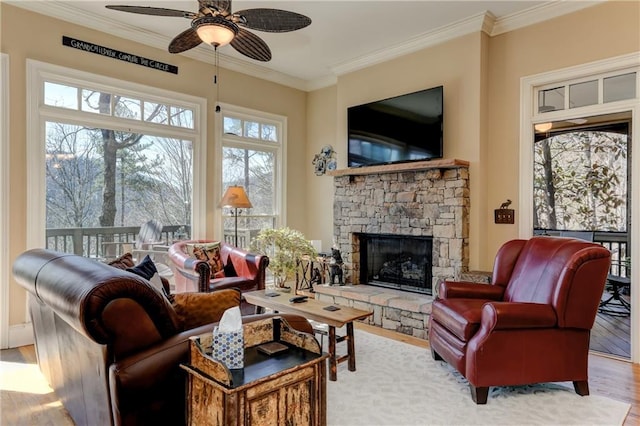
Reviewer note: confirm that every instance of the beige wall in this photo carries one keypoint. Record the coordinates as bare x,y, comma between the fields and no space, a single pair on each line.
321,130
21,42
481,77
604,31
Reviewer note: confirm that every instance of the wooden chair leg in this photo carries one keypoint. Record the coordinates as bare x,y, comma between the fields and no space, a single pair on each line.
479,394
435,355
581,387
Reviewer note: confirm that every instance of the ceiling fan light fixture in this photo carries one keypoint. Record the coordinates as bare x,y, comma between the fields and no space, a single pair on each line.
215,30
543,127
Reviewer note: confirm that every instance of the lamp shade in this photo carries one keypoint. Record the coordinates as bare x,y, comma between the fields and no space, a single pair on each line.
235,197
543,127
215,30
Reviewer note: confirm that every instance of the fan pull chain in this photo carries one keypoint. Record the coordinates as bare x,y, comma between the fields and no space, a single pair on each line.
215,79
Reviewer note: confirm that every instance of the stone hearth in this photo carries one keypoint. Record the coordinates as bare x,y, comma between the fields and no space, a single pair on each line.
401,311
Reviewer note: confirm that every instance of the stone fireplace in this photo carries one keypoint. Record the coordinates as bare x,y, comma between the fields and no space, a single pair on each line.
425,199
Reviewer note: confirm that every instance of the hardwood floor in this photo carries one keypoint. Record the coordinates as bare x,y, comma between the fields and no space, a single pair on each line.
612,335
26,399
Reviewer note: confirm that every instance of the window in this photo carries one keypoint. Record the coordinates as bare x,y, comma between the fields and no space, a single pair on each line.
580,179
581,93
252,145
111,156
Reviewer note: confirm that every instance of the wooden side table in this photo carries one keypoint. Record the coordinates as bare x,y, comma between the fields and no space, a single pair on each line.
286,388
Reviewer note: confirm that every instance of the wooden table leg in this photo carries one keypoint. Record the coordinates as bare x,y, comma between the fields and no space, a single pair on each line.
333,361
351,347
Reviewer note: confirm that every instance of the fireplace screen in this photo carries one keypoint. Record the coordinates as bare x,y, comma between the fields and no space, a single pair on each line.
401,262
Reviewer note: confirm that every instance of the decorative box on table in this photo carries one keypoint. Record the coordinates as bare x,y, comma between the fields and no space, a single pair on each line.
285,387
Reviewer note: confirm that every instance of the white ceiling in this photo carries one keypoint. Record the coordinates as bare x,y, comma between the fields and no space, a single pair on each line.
343,36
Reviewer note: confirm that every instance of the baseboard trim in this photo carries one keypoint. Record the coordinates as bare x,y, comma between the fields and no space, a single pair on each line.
21,335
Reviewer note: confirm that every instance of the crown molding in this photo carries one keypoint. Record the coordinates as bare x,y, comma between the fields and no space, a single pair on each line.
537,14
484,22
448,32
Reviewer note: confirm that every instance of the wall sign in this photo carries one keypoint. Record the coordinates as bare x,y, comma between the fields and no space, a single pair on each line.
116,54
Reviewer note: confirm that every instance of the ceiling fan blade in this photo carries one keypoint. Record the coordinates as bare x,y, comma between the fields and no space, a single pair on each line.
156,11
188,39
251,45
273,20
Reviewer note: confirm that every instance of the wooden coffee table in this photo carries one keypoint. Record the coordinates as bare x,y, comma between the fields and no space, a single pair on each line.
314,310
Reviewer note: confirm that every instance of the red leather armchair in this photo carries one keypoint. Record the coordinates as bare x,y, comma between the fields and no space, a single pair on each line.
243,270
531,325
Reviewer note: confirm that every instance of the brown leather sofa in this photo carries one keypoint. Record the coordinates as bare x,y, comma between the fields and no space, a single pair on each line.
531,324
110,343
242,270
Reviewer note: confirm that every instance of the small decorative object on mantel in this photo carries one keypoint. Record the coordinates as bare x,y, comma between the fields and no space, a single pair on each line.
325,160
504,214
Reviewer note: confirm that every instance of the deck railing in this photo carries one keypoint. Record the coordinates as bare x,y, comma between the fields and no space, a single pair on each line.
88,242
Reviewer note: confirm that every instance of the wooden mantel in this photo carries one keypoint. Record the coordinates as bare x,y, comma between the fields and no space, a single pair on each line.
401,167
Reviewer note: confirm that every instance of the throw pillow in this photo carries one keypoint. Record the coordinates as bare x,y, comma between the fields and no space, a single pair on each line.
229,270
196,309
123,262
209,252
147,270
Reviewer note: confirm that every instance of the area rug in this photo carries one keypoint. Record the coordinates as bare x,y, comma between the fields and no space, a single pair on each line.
398,384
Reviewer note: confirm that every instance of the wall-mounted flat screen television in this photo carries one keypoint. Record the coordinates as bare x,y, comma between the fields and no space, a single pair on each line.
403,128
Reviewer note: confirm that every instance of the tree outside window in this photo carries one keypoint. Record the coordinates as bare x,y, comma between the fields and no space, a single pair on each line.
580,180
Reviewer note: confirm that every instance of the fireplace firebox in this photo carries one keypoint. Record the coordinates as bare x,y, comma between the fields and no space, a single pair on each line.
396,261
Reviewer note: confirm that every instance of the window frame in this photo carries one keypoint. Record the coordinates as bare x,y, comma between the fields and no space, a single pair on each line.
39,113
278,148
5,177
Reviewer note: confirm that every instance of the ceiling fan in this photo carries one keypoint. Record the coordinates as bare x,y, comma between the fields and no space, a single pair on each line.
216,24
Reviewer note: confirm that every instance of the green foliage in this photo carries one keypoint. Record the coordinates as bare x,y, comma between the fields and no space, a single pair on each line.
580,181
283,246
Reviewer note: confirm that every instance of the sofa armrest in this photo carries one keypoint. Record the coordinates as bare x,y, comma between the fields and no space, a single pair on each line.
469,290
196,269
196,309
513,315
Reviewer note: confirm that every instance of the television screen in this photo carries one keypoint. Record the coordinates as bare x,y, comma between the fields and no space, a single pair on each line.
402,128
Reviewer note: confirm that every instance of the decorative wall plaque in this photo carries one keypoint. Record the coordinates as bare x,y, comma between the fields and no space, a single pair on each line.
504,214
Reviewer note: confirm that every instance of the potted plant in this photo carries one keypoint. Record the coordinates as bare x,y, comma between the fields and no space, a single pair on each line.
284,246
